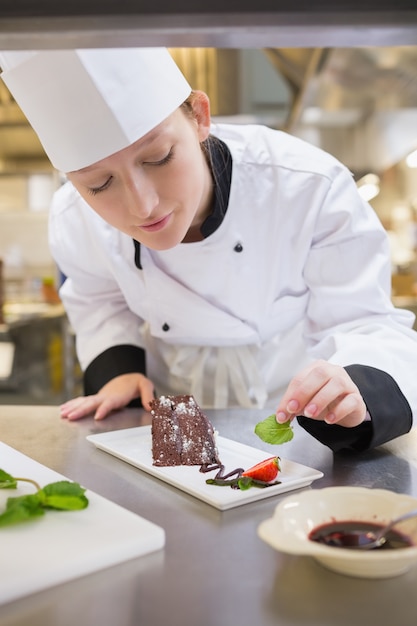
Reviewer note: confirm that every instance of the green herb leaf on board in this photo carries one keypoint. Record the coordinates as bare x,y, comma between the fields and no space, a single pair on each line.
271,432
7,481
62,495
21,509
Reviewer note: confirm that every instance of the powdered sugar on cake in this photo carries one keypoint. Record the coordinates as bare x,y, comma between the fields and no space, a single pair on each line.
181,433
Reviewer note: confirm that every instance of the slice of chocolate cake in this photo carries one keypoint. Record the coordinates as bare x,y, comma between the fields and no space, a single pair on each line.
181,433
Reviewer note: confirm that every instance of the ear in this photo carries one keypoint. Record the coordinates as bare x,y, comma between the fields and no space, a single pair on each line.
201,109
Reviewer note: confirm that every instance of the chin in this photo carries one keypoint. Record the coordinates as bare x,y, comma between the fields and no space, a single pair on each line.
162,243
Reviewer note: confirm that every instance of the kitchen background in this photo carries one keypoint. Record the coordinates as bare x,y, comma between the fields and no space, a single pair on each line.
359,104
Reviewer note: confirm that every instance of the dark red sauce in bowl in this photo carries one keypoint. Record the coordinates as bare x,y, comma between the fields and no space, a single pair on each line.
351,534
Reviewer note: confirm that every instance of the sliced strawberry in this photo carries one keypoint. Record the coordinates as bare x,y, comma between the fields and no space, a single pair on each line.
265,471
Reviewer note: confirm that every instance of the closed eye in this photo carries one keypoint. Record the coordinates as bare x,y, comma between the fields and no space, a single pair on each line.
95,190
163,161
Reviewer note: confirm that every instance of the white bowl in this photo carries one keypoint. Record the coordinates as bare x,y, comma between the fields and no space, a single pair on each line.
296,516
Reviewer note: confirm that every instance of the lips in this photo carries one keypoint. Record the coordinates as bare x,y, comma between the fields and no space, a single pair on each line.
157,225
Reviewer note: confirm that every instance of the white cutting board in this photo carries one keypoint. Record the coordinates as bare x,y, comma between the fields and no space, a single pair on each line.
64,545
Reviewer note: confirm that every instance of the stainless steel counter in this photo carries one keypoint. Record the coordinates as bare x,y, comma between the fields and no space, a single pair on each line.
214,570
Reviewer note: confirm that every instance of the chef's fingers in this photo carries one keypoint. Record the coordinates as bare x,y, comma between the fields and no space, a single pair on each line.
107,405
146,391
325,394
116,394
348,411
79,407
119,391
323,391
300,391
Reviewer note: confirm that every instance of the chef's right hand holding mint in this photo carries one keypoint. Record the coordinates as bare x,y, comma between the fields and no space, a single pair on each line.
323,391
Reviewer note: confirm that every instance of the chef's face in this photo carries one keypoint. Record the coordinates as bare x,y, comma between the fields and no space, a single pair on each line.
158,190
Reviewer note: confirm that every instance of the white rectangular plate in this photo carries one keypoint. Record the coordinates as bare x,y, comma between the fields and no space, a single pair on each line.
134,445
64,545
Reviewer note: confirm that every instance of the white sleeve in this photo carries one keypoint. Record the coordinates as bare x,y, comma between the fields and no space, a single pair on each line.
351,319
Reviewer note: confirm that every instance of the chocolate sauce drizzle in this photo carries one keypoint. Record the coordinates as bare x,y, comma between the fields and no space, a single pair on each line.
230,479
206,467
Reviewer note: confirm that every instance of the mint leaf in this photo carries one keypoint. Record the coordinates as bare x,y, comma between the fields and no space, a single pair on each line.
271,432
64,495
7,481
245,483
21,509
221,482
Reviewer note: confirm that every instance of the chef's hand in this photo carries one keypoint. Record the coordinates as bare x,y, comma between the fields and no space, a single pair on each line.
116,394
323,391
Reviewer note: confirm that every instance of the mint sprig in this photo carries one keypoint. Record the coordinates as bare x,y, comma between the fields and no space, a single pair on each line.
62,495
243,483
7,481
21,509
270,431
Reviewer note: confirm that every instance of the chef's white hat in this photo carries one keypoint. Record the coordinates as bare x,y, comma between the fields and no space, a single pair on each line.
87,104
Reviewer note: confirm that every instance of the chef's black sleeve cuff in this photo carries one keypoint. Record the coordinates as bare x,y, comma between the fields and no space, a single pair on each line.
115,361
390,413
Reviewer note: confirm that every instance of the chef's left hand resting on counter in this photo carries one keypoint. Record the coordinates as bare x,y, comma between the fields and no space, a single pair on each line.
233,262
116,394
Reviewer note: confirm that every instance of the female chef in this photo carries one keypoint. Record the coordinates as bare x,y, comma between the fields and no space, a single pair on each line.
236,263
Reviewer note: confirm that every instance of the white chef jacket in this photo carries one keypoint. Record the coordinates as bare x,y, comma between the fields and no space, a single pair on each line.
298,270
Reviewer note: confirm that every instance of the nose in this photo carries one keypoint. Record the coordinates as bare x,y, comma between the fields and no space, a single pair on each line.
141,196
